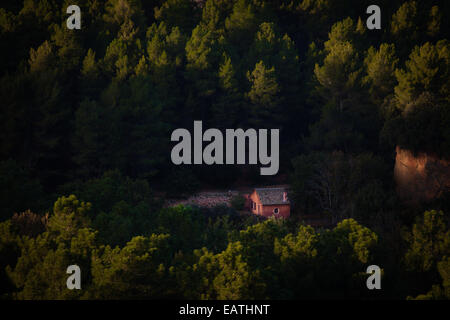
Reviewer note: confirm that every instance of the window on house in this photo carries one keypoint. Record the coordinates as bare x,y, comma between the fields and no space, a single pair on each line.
276,211
254,205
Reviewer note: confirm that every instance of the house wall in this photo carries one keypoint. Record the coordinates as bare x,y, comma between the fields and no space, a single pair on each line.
283,209
255,199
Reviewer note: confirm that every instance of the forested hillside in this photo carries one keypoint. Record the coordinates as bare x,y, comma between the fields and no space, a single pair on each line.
85,125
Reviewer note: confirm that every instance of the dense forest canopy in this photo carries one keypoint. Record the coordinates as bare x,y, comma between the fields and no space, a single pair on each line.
85,124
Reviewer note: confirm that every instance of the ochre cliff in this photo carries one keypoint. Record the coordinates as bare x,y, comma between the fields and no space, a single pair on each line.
420,177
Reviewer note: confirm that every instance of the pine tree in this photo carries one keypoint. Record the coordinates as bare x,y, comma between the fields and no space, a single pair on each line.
380,65
203,54
427,70
228,106
241,25
263,94
178,13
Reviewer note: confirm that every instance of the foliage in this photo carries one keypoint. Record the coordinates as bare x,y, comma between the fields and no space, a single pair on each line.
86,120
238,202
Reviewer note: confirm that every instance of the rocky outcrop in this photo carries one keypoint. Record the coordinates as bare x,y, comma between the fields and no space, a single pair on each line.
420,177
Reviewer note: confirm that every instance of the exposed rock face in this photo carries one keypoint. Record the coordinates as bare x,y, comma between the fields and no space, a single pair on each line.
420,177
